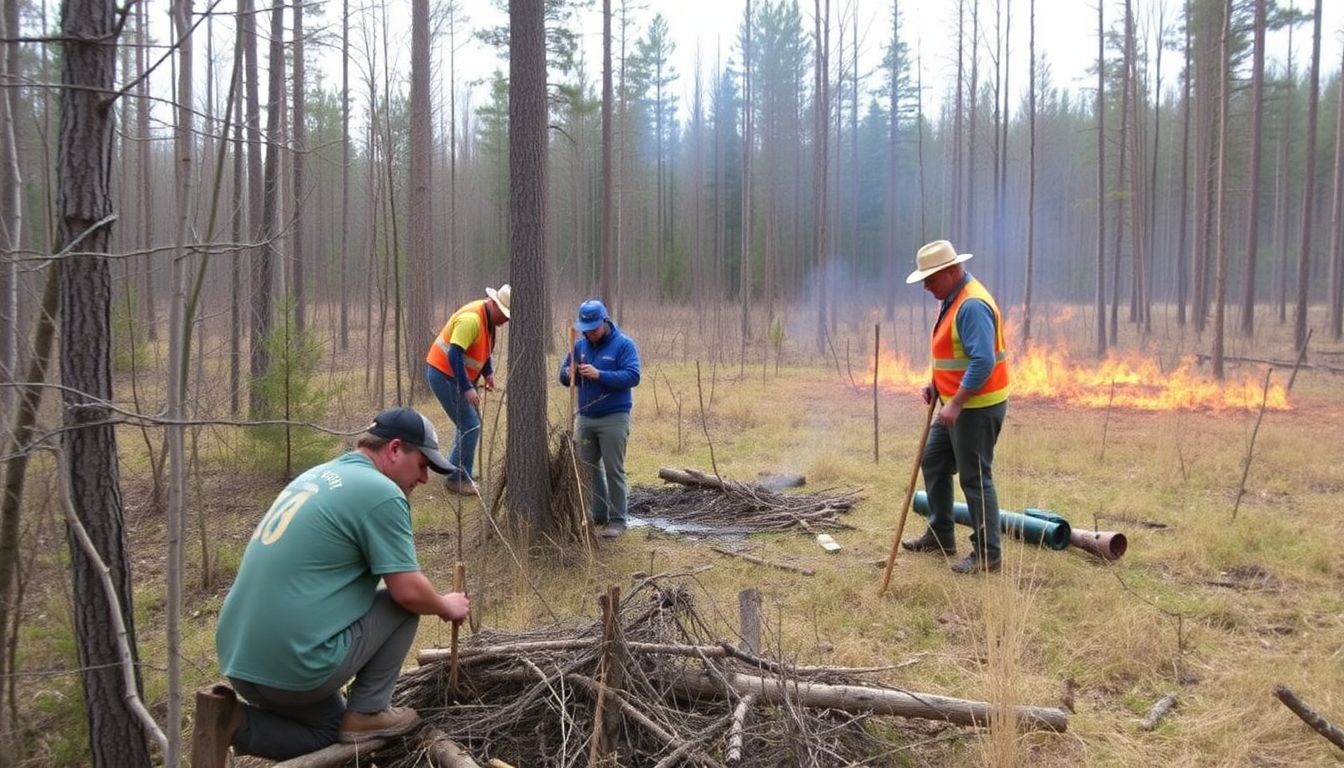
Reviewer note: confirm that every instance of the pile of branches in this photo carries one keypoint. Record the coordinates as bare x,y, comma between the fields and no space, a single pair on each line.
531,698
704,500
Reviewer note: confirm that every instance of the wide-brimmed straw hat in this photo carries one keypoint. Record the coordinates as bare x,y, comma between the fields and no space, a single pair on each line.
501,297
935,256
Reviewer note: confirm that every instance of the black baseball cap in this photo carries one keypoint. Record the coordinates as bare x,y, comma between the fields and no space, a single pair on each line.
409,426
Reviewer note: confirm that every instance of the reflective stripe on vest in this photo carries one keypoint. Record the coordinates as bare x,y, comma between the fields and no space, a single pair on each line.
474,356
949,357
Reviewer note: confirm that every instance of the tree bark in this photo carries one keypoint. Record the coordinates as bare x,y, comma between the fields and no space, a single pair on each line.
1337,220
1101,181
299,141
419,311
89,29
1247,325
1308,185
11,218
1220,220
529,484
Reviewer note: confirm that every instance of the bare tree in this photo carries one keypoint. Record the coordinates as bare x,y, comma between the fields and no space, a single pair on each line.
11,213
1337,220
1253,190
89,30
1031,180
529,482
605,215
821,105
744,263
1101,180
421,178
299,141
345,175
1308,185
1220,219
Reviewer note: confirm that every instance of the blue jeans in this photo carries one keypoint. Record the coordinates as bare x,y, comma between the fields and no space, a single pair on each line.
602,442
464,417
967,450
279,724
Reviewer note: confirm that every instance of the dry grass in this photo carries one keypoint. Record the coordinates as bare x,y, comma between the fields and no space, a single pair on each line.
1214,609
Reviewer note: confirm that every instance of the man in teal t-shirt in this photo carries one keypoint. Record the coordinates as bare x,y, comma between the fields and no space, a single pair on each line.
306,612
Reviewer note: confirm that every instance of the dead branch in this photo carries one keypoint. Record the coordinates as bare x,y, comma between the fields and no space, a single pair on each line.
763,561
1311,717
1159,710
443,752
334,755
882,701
1250,448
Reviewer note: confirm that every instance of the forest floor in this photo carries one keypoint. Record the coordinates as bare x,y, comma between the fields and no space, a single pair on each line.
1214,607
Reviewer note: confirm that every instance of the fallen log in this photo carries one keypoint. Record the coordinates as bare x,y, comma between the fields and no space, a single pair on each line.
1159,710
694,478
334,756
443,752
1202,356
856,698
1311,717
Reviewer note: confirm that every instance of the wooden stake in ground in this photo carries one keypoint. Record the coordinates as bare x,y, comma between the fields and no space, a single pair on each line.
909,494
459,585
877,362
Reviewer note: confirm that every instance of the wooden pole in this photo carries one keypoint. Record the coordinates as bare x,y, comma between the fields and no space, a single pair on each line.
877,363
596,748
459,585
909,494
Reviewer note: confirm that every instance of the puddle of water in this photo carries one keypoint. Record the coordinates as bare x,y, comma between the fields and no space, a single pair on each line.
690,530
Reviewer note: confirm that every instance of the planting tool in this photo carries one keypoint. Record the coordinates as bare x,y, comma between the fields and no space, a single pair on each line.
459,585
909,494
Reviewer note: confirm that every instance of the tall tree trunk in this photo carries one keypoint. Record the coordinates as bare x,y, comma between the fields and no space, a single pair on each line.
958,209
605,215
11,217
239,225
892,263
148,301
259,316
1253,192
1308,186
1121,168
84,209
1182,258
1101,181
1031,180
299,129
179,335
421,203
821,110
1337,219
1220,221
529,483
345,176
744,262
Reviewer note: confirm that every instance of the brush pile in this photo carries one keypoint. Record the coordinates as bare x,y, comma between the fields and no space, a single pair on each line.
534,698
703,500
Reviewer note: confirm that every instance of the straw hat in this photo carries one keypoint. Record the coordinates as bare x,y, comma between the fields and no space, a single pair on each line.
501,297
935,256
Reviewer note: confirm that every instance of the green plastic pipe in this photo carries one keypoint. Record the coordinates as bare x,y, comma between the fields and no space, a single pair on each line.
1034,526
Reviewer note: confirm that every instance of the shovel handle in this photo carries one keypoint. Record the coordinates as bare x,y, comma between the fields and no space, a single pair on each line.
909,494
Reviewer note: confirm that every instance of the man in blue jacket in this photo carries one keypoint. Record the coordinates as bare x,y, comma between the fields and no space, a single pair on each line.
608,368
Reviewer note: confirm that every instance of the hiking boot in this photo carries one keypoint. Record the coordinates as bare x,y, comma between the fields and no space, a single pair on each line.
362,726
219,715
973,563
612,529
930,543
461,485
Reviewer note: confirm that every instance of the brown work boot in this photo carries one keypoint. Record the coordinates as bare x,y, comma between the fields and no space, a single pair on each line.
362,726
930,543
219,715
973,563
461,485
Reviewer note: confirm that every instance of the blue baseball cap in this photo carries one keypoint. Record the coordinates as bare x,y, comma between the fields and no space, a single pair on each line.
591,314
409,426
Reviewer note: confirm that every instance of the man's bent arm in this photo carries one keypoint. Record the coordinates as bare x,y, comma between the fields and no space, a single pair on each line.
412,591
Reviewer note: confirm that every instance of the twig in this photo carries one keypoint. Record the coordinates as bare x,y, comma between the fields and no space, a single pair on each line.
1301,355
1105,425
736,731
704,424
129,694
762,561
1250,449
1311,717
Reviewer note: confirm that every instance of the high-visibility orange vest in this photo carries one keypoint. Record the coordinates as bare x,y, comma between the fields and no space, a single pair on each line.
474,356
949,357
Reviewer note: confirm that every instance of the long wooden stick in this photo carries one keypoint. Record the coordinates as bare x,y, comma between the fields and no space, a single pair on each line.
909,494
1311,717
459,585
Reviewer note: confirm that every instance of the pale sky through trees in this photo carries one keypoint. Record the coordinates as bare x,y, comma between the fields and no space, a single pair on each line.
1066,36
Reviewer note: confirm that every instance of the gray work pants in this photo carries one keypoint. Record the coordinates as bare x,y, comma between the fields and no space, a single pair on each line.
280,724
967,450
602,442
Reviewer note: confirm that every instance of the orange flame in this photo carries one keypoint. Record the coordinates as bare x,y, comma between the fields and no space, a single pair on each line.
1126,380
